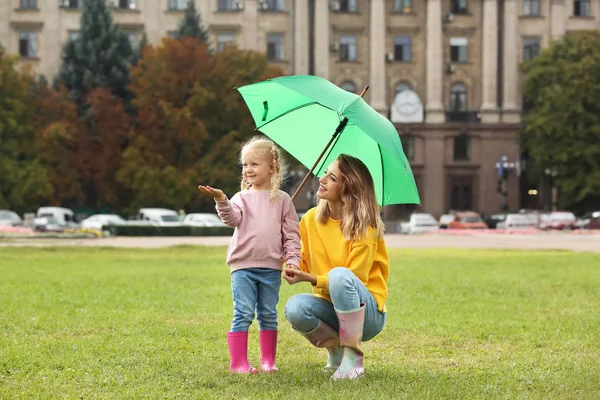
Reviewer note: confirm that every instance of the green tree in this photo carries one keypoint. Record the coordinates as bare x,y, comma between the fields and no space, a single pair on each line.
23,179
99,57
191,25
562,125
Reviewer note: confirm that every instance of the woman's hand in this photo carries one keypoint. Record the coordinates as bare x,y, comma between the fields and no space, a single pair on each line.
293,276
216,194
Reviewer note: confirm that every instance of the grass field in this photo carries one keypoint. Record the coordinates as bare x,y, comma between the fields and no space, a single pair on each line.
120,323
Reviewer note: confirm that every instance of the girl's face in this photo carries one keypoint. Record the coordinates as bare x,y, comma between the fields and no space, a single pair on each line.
257,169
330,184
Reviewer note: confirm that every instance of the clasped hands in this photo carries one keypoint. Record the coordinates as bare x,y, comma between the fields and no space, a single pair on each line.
292,274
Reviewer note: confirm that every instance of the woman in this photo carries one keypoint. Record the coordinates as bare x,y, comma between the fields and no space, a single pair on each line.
345,259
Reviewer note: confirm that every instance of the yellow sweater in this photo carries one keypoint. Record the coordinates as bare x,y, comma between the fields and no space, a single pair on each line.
324,248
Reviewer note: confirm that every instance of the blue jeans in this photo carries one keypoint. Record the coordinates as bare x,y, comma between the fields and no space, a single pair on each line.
347,292
255,290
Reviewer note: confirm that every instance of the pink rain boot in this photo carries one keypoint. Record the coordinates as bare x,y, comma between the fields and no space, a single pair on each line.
351,330
268,350
324,336
238,353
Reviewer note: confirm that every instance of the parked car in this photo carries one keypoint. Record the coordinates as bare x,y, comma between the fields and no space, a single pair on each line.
584,221
419,223
10,218
558,220
97,221
158,216
445,220
594,223
202,219
57,219
493,220
519,221
467,220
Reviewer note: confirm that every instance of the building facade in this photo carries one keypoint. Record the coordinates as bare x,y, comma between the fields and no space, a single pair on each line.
445,71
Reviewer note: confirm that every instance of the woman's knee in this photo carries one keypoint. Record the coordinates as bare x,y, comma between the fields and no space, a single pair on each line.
295,309
339,278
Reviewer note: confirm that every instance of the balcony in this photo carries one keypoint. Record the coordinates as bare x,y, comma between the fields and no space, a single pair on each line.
463,116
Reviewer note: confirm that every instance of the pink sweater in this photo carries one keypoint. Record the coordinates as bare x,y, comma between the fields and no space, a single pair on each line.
265,232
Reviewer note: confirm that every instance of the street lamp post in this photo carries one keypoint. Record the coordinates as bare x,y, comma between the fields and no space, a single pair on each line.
551,174
504,168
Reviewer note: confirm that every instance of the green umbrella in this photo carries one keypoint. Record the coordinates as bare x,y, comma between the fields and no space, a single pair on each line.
315,121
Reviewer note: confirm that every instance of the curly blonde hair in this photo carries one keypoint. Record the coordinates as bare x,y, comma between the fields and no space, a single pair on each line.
273,155
359,204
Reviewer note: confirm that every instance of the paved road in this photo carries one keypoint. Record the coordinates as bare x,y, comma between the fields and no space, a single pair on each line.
562,241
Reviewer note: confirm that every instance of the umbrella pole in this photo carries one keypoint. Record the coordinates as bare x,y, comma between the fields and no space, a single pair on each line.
338,130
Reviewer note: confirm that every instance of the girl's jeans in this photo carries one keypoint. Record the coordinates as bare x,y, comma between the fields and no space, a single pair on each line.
255,290
347,292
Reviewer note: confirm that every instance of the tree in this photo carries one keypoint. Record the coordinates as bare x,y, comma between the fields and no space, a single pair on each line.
190,25
138,53
190,123
562,126
23,179
99,57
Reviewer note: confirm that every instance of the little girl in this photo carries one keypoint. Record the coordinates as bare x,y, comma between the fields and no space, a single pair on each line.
266,233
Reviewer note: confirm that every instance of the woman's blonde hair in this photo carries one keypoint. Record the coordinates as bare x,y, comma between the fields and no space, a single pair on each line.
273,156
359,204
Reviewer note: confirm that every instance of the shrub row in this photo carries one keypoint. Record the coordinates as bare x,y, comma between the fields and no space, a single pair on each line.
151,230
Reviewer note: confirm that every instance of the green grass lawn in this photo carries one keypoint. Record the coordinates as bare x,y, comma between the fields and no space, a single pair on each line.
121,323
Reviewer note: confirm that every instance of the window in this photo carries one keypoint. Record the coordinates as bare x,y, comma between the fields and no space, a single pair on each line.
28,4
227,5
74,35
177,4
71,3
349,86
274,5
402,48
462,148
531,8
458,97
275,47
224,40
581,8
402,86
531,48
348,48
124,4
408,145
459,7
403,6
458,49
27,44
348,6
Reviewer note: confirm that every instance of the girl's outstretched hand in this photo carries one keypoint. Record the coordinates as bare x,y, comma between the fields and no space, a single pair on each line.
293,276
215,193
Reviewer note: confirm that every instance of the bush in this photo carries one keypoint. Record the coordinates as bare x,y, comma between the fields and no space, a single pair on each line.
152,230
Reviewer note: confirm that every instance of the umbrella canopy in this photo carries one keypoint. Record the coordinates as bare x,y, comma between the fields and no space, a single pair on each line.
302,112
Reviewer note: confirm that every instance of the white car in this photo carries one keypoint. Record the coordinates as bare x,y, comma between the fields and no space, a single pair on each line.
10,218
202,219
97,221
419,223
157,216
518,221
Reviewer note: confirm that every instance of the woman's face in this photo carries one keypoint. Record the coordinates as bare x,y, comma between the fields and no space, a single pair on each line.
330,183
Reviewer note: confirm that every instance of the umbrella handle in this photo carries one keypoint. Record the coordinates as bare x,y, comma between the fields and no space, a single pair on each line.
339,129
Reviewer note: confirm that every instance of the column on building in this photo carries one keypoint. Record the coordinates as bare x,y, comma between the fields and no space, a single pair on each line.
300,37
489,51
377,78
249,31
435,57
557,18
511,56
322,39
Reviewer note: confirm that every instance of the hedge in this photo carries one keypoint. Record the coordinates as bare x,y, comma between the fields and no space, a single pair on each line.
152,230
